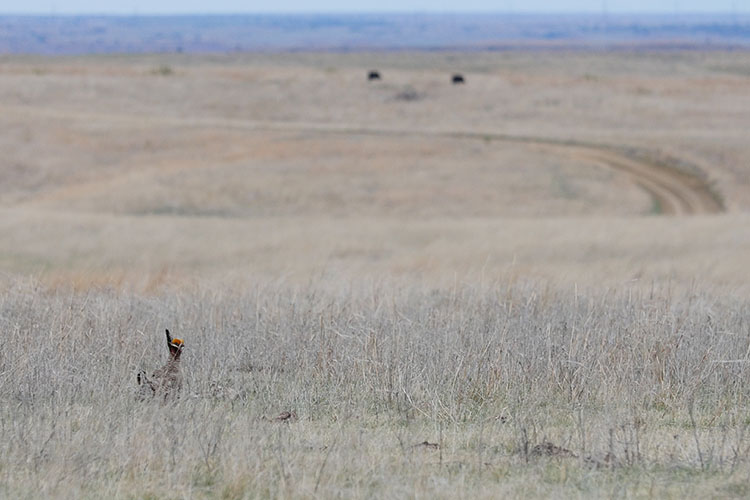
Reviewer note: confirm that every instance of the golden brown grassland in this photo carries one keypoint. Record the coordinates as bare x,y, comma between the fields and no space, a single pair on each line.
293,165
488,269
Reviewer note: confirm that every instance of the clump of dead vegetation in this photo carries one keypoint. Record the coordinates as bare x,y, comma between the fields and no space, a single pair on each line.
507,390
409,94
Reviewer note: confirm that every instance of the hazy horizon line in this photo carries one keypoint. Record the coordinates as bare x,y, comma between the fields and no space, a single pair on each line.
136,12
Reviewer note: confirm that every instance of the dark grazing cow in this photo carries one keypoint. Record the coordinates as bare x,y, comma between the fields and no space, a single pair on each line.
373,75
458,79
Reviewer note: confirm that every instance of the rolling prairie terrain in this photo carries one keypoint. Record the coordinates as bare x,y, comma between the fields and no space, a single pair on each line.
554,165
531,285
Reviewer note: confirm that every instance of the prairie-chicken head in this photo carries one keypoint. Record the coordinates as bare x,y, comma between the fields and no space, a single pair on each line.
175,346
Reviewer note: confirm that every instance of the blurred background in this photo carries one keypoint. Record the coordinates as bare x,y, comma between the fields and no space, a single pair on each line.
593,143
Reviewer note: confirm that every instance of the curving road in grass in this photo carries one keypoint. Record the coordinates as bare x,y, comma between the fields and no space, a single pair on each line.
676,188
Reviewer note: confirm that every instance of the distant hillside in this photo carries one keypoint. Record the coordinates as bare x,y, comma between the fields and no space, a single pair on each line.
219,33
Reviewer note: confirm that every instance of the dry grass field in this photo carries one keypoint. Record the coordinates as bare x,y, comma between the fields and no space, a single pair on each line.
475,392
293,165
534,284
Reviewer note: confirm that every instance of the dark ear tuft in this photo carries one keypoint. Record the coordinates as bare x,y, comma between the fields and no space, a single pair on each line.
169,337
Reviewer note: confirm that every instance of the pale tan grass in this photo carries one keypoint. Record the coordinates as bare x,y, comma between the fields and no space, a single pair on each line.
486,296
711,250
663,101
252,165
485,373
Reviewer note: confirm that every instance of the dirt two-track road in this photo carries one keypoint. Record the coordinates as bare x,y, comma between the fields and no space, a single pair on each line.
674,189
